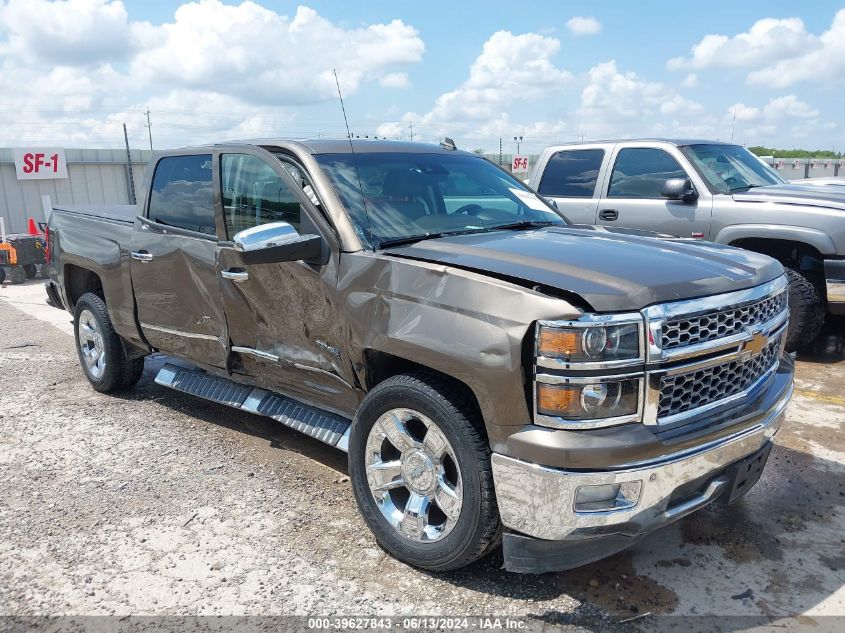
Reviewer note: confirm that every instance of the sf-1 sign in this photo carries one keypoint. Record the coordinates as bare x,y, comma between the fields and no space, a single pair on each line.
519,165
39,164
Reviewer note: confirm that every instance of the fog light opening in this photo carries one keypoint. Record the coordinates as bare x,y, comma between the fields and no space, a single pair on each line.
605,497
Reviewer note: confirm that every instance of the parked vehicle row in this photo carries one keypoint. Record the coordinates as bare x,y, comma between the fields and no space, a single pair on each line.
494,373
710,191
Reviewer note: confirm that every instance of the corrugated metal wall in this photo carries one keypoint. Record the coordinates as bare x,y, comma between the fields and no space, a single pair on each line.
95,176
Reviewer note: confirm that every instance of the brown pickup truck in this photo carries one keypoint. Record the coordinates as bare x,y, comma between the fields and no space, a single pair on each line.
495,374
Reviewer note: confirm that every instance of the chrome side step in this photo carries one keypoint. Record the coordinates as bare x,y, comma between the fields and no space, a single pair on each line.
321,425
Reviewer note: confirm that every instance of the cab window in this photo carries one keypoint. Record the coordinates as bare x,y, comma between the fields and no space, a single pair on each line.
572,174
253,194
640,172
181,193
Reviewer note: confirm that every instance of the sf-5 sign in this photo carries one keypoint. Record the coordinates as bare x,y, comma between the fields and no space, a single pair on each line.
40,163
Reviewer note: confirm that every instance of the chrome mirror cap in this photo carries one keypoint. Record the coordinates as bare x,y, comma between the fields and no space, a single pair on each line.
265,236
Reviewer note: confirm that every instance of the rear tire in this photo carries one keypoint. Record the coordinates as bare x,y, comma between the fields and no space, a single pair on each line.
806,311
30,271
98,346
444,468
2,274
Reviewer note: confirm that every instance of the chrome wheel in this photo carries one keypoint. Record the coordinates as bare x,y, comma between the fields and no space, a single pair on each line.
91,345
413,475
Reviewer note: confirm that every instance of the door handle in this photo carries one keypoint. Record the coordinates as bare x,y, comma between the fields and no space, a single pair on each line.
142,256
609,215
238,276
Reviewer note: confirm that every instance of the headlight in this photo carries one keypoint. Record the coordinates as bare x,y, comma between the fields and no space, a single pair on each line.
589,400
589,342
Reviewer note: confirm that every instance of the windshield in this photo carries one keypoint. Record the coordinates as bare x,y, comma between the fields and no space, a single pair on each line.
730,168
413,196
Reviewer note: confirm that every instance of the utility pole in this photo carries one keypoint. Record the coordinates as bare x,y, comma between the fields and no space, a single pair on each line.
517,140
149,127
129,174
500,151
411,126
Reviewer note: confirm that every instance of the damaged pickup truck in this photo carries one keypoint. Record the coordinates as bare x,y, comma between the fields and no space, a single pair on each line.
493,373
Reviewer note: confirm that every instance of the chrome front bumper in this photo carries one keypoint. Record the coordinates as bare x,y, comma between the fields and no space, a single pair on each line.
539,501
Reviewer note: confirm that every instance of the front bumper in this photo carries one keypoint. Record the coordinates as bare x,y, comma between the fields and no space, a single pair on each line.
834,273
539,502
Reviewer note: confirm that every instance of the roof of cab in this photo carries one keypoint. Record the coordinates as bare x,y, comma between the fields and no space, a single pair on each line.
342,145
674,141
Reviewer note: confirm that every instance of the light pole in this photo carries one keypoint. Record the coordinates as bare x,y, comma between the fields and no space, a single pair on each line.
517,140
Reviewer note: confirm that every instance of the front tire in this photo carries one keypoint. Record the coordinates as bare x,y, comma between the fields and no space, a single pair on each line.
806,311
30,271
421,474
98,346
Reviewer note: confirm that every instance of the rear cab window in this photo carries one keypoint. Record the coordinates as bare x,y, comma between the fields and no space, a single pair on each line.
571,174
640,172
182,195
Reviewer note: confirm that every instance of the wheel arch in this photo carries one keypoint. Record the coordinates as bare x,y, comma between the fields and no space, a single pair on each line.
379,366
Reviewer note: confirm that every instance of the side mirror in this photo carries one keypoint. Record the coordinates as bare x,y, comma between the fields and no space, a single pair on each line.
551,202
679,189
275,242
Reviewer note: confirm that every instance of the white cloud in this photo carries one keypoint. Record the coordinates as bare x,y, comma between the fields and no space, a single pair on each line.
789,106
690,81
269,58
823,62
395,80
510,69
743,112
237,69
768,40
614,103
68,33
583,25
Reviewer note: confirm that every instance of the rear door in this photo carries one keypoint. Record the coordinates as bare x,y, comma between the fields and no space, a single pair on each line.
286,330
173,254
570,178
632,193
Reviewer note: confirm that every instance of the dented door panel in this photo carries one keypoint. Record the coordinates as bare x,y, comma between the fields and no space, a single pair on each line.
177,293
288,314
464,324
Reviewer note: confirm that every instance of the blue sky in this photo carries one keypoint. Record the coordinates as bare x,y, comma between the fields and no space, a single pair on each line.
472,70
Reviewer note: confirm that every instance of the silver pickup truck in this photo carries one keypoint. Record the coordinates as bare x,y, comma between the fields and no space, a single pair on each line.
709,191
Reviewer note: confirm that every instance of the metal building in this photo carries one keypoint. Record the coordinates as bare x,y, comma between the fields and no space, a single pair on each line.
95,176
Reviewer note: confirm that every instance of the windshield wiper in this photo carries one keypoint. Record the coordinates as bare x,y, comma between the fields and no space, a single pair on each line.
523,224
743,188
409,239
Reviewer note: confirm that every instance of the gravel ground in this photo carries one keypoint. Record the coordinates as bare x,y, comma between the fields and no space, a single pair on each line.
155,502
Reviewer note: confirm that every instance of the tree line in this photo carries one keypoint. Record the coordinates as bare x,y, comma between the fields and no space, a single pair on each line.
759,150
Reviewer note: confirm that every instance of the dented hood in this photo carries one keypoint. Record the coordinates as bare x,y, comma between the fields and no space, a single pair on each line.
612,270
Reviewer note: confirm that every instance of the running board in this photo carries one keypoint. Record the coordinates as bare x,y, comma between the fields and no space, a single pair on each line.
321,425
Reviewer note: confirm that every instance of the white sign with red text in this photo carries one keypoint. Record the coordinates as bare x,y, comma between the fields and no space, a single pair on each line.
519,165
40,163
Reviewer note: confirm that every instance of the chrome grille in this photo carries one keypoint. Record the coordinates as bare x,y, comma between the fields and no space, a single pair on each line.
715,325
685,392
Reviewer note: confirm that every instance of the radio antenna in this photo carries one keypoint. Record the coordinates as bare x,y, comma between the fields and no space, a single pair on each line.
352,149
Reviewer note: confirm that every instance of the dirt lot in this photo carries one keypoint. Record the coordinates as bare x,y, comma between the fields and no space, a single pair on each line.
158,503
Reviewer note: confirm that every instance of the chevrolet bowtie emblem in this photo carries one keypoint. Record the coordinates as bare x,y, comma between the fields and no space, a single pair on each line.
756,344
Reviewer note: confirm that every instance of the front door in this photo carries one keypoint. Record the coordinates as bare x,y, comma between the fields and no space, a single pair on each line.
285,329
173,263
633,196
